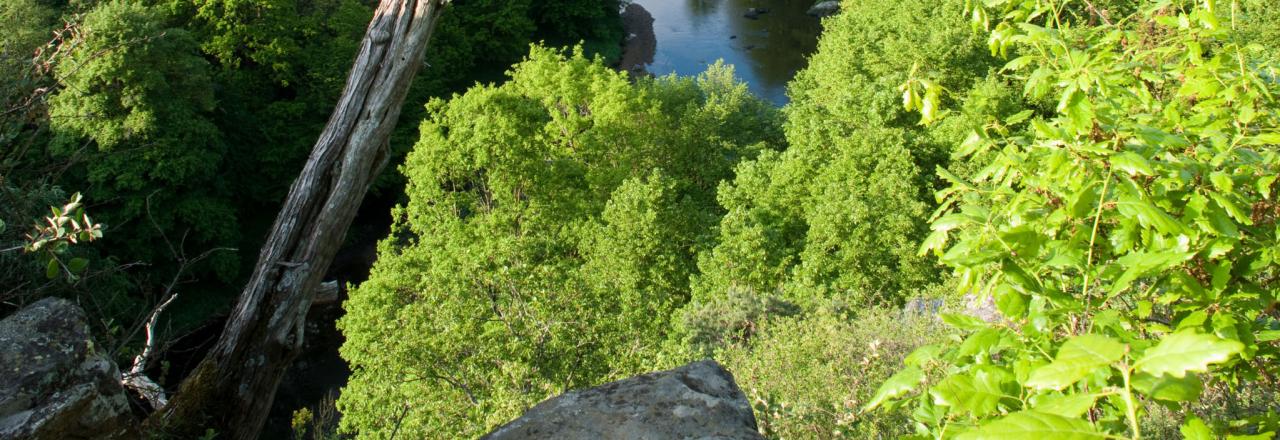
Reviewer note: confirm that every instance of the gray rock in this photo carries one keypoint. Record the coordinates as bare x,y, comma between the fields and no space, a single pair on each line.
918,307
823,9
983,308
55,383
755,13
696,401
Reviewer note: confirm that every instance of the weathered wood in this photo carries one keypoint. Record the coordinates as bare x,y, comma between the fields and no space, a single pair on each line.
232,389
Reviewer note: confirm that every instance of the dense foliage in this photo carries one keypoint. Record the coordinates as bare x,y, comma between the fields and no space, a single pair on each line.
1126,227
805,376
184,121
1104,172
836,217
550,232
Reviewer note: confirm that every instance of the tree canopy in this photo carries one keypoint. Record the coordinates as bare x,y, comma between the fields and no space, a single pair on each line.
549,235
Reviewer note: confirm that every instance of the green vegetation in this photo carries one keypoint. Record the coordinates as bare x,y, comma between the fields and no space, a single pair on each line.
1127,233
1122,221
806,377
836,217
183,122
551,228
1104,171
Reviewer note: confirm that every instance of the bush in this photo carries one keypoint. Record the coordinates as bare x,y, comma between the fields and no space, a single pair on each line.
807,376
1127,234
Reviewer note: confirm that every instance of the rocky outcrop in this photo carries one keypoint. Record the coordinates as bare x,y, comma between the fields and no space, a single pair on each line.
56,384
696,401
823,9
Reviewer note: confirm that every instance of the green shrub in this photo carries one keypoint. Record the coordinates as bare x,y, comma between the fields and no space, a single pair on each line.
807,376
1128,234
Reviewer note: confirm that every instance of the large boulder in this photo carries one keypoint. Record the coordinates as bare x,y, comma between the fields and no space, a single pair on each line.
56,384
823,9
696,401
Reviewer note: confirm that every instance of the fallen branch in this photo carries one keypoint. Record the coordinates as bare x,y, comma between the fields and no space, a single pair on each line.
136,378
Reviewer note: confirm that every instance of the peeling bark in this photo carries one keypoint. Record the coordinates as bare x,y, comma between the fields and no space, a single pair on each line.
232,389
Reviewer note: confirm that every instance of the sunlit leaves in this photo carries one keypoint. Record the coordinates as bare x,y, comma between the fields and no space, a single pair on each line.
978,392
1077,357
1067,405
897,385
1114,231
1033,425
1169,388
554,223
1184,351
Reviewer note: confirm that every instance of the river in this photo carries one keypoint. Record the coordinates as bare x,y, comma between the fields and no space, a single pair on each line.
766,51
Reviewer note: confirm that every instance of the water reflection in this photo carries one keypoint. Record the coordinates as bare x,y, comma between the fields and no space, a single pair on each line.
767,51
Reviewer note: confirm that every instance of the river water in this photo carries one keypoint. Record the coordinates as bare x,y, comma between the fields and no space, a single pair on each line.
766,51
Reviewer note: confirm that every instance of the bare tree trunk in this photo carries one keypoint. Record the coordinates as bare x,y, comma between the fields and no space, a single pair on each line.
232,389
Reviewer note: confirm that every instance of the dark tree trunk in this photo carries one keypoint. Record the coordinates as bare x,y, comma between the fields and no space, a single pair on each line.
232,389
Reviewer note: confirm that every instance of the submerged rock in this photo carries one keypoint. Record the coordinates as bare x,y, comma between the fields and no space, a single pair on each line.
755,13
56,383
696,401
823,9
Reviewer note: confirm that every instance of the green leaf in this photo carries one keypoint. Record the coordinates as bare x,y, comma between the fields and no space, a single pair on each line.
1069,406
926,353
947,175
1149,215
51,270
935,241
1082,202
1195,429
1141,264
978,392
1185,351
949,222
1232,208
77,265
1263,184
929,106
979,342
1079,111
1077,358
900,383
1131,163
963,322
1222,181
1033,425
1169,388
1011,303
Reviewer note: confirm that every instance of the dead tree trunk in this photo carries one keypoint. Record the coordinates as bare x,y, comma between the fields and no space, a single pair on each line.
232,389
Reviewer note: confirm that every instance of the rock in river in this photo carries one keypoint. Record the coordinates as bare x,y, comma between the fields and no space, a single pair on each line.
755,13
823,9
